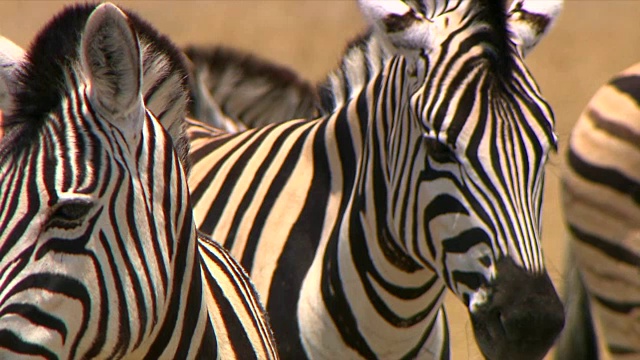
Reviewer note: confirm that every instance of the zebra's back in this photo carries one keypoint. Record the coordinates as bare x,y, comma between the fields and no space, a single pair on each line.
601,200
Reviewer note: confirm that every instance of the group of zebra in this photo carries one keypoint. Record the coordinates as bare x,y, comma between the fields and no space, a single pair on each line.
129,229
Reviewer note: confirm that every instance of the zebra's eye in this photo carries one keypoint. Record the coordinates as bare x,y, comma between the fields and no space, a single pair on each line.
439,152
69,214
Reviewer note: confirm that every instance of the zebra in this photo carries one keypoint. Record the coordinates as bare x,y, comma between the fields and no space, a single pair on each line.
235,90
427,174
99,254
600,183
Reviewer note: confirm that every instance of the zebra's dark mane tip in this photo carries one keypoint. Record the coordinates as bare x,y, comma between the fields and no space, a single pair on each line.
327,97
42,78
494,13
360,41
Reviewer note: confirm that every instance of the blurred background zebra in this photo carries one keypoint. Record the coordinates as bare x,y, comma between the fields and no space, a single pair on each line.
601,199
362,218
235,90
99,256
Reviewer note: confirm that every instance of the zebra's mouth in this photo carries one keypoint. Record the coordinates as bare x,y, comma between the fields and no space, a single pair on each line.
522,317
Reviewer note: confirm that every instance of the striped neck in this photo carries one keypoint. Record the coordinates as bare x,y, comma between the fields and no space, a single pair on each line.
365,258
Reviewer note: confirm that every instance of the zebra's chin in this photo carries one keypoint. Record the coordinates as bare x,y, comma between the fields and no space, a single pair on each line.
521,317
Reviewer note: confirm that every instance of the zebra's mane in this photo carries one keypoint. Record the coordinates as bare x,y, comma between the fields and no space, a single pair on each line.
237,78
365,56
220,57
362,58
494,13
43,78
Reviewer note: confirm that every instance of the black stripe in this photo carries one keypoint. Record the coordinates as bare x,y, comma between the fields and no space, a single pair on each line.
202,188
124,331
613,251
34,315
413,353
191,319
208,349
13,343
608,177
303,240
239,339
464,241
64,285
472,280
621,350
27,210
628,84
249,195
614,128
331,287
621,307
271,196
335,300
176,300
128,234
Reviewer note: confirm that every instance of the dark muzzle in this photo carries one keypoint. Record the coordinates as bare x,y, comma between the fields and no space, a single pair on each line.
522,317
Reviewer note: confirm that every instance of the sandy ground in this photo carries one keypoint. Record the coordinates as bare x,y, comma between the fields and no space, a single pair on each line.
592,41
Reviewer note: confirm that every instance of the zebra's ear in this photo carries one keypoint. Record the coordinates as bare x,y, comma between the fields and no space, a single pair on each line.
401,27
11,55
530,20
111,61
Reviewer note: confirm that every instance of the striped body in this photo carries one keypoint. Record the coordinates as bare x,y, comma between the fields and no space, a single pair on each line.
99,255
600,185
425,174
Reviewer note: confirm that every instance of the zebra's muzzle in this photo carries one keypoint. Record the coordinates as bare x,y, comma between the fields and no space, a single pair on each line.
521,318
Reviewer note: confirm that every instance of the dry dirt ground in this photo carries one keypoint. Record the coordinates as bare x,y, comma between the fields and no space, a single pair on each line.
592,40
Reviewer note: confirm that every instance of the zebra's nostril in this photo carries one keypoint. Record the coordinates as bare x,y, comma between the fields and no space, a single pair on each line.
532,325
522,317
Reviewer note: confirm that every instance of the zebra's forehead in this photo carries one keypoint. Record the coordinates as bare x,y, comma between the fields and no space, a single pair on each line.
485,109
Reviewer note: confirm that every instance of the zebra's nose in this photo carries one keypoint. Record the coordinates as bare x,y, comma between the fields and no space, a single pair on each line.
522,317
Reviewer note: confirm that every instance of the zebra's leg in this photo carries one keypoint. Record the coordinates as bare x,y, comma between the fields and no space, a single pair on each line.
578,340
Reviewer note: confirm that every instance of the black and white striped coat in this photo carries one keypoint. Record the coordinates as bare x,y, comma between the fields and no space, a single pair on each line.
601,204
426,174
99,255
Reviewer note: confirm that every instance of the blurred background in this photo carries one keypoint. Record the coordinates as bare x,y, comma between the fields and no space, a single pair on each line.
592,41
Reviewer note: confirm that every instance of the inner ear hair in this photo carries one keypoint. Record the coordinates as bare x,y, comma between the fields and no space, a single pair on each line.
112,60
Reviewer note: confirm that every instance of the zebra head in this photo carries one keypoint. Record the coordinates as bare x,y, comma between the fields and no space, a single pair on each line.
472,158
97,245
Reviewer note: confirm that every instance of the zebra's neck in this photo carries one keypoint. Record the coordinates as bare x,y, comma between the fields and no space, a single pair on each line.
364,257
183,328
